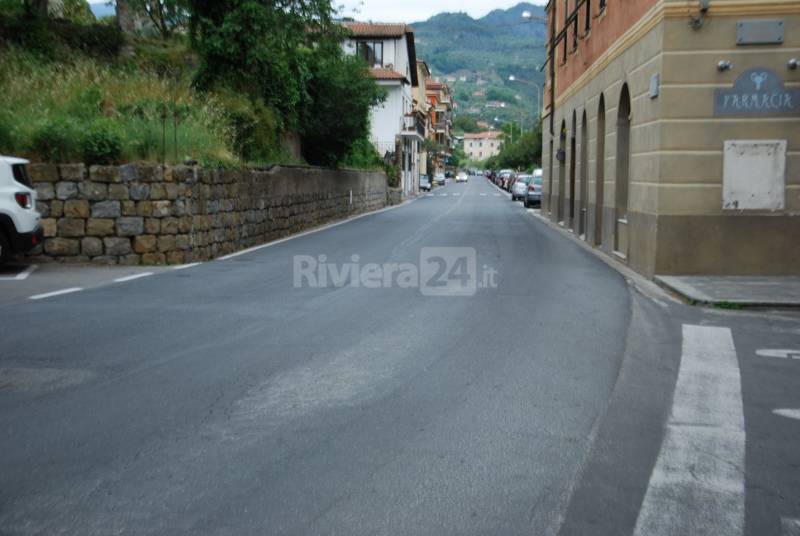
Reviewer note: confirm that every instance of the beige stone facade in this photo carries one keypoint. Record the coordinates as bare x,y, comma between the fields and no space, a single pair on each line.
645,184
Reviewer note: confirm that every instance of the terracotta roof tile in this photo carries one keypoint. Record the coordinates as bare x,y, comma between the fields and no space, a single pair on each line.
386,74
376,29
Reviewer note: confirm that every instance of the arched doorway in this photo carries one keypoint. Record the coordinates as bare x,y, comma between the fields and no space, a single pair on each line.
550,180
584,177
623,170
600,171
572,147
562,171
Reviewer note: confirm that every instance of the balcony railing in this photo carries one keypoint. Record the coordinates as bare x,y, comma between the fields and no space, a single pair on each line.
412,124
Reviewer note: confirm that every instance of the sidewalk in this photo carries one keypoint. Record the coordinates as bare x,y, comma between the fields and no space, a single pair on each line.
741,291
766,291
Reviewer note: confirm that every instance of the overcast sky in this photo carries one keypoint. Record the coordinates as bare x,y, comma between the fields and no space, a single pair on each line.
419,10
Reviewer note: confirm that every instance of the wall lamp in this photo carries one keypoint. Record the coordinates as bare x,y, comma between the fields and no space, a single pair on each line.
793,63
724,65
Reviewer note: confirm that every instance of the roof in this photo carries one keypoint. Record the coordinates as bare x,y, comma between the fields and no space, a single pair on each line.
378,29
491,134
11,160
388,30
387,74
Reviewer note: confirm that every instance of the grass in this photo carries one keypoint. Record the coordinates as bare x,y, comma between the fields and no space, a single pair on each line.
43,97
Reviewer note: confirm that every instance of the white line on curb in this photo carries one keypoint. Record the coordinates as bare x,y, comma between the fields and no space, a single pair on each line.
23,275
55,293
790,527
789,413
132,277
697,484
312,231
185,266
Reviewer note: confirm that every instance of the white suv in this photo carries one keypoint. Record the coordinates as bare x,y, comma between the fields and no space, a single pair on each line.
20,229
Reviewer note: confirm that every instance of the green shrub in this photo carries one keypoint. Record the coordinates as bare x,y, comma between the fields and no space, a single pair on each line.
252,125
6,135
363,155
55,140
101,144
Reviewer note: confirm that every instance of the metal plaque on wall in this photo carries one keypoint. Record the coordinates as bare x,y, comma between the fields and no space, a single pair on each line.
758,91
759,32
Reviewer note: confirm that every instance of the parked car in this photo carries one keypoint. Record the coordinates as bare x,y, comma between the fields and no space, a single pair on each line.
506,177
424,183
461,177
519,189
439,179
533,197
20,228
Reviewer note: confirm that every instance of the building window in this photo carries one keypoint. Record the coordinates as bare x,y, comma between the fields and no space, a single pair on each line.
371,52
602,5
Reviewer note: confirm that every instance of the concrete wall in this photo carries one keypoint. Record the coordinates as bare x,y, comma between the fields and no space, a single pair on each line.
145,214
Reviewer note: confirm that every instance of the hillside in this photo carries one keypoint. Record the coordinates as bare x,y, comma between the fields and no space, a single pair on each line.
476,57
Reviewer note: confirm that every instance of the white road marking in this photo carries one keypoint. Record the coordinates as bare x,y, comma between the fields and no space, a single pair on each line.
697,484
55,293
790,527
429,195
442,195
132,277
456,195
22,276
310,231
496,194
780,354
788,413
484,195
184,266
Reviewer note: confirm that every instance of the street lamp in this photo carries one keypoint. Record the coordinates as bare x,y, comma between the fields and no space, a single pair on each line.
512,78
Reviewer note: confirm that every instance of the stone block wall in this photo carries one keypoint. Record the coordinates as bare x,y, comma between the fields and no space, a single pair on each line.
141,214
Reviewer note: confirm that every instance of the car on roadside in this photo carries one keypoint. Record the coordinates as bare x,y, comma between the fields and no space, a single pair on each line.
20,227
519,188
462,177
424,183
533,197
440,179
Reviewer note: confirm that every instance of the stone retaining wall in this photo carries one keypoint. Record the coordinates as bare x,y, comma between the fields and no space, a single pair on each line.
136,214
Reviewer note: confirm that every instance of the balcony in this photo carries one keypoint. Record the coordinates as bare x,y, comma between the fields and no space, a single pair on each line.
413,126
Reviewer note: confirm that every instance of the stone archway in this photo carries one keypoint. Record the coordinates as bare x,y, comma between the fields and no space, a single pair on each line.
600,171
623,172
584,178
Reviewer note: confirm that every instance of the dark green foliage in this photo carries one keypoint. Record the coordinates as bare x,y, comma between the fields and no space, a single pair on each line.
58,39
255,136
465,123
55,140
362,155
524,153
340,93
256,48
6,134
101,144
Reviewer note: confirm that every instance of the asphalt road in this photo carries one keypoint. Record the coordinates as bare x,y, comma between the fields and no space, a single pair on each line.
236,397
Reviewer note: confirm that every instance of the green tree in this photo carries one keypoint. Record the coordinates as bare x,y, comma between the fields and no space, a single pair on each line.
166,16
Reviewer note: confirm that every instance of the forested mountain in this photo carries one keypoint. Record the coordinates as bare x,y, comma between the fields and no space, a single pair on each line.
476,57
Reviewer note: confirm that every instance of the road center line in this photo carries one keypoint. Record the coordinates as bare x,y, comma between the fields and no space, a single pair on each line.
132,277
55,293
697,484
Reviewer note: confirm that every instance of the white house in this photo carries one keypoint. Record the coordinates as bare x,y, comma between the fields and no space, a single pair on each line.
395,128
